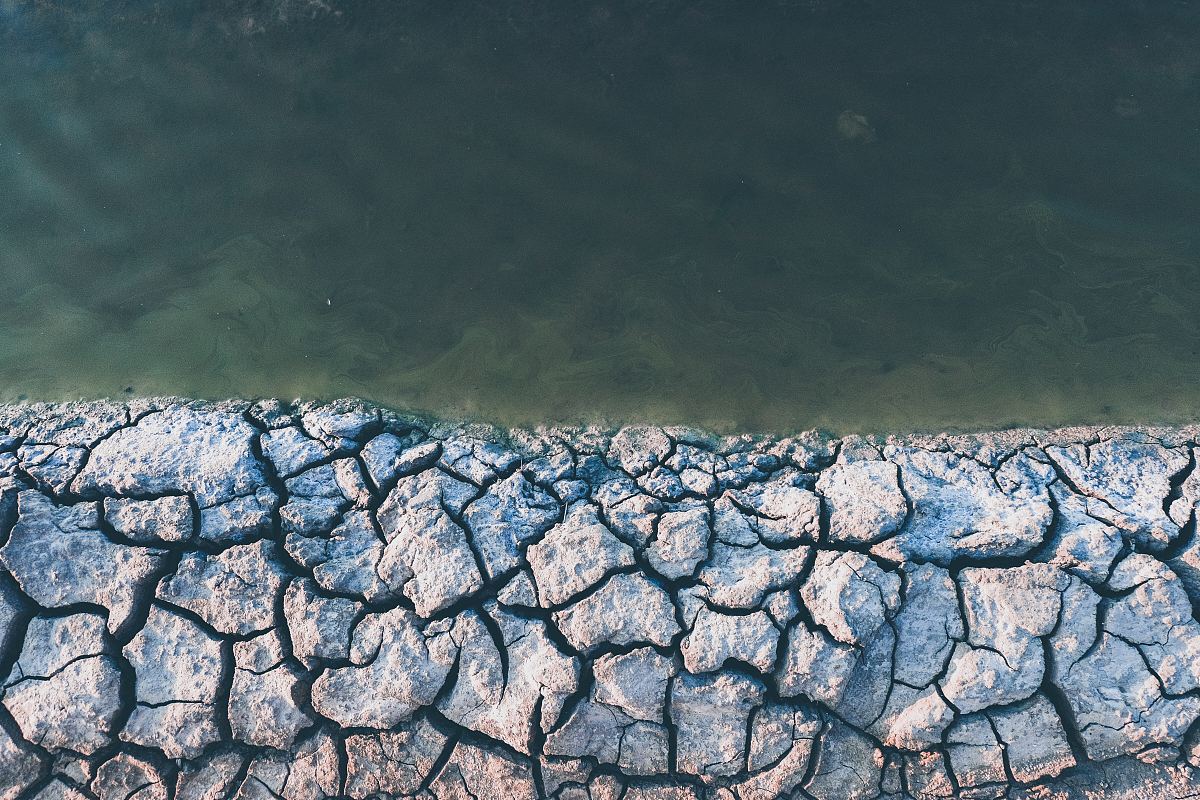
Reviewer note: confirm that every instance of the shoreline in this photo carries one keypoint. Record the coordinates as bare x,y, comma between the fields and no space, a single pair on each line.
339,600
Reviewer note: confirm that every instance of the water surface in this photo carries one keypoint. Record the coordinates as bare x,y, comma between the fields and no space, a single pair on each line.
775,215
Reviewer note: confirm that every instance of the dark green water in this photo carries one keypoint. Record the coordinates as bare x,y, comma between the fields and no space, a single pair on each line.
769,215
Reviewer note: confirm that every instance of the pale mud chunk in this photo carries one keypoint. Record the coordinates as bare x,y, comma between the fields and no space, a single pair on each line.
633,517
696,469
866,693
348,561
59,557
262,700
1118,704
315,772
978,678
57,789
207,454
512,513
976,757
212,776
20,765
752,459
1079,543
73,766
398,668
609,735
126,777
310,516
64,692
234,591
815,666
913,719
609,484
731,525
351,484
291,450
166,519
780,747
625,610
927,625
395,762
51,467
178,673
779,511
318,626
74,424
1128,481
388,457
635,682
574,556
926,776
1035,744
571,491
12,609
711,716
681,543
605,787
560,773
477,461
850,596
340,482
865,502
240,520
272,413
1155,615
658,791
430,489
508,695
179,730
1007,611
473,773
341,423
848,766
425,542
1077,630
637,450
716,638
10,489
311,772
1006,607
644,749
519,591
664,483
740,577
10,481
960,509
548,458
782,607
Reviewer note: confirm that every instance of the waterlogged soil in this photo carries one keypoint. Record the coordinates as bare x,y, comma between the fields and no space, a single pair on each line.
775,215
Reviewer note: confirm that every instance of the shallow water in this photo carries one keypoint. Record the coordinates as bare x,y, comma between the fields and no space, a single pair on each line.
772,215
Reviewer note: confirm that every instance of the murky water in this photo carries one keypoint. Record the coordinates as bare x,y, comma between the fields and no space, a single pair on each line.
765,215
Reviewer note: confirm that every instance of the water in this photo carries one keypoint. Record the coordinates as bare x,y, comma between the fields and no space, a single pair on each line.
776,215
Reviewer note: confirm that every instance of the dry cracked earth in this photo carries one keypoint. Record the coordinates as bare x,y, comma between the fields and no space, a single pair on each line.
253,600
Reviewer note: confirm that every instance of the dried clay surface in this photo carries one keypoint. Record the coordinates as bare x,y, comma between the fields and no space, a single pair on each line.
264,601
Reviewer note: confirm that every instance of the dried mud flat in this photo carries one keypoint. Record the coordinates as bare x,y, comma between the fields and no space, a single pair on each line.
204,601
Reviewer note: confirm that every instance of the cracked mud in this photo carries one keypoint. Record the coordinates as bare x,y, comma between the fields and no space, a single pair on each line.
206,601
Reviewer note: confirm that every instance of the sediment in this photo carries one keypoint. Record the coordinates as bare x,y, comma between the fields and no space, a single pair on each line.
205,601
